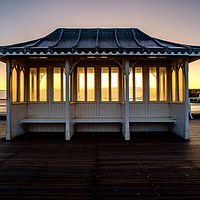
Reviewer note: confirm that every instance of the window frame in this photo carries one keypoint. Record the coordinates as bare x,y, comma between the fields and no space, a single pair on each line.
38,84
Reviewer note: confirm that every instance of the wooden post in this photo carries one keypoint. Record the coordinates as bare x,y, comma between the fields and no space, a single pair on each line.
67,114
187,134
8,126
127,131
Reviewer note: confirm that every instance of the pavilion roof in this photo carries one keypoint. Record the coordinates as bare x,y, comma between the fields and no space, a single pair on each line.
99,41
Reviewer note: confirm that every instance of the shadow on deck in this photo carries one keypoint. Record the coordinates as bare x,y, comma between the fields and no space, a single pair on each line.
101,166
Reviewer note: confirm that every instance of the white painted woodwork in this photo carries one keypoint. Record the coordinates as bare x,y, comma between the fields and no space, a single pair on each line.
187,101
127,131
67,107
98,116
8,108
19,111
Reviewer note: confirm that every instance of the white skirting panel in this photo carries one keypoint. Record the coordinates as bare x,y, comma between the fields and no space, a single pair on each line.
86,109
38,109
110,109
177,111
149,127
158,109
98,127
137,110
58,109
149,109
46,127
18,111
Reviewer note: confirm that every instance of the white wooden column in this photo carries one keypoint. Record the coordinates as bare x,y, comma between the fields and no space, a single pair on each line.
127,131
67,114
187,134
8,124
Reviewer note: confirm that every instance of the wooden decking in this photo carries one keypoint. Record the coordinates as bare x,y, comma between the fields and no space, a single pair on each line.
101,166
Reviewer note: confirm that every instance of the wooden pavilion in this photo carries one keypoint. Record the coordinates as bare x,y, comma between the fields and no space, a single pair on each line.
97,80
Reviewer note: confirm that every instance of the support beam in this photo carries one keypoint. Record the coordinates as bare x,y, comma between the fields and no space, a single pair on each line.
67,112
187,134
8,109
127,131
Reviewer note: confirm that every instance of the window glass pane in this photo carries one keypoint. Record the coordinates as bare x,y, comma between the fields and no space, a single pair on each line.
180,74
163,83
21,86
114,84
43,84
131,85
138,84
57,84
104,84
33,84
173,85
152,83
14,85
80,84
90,84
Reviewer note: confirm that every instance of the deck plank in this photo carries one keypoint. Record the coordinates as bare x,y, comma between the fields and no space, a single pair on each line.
101,166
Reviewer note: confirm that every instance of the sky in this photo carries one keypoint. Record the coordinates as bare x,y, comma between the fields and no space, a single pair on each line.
172,20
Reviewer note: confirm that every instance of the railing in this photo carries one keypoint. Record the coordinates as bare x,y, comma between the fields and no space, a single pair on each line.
3,106
190,106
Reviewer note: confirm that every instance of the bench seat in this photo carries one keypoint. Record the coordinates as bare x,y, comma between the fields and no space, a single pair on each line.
97,120
152,120
43,120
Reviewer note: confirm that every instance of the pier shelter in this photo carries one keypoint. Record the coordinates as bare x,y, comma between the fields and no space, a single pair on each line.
97,80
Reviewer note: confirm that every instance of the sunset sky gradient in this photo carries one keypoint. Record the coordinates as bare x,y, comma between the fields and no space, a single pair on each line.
172,20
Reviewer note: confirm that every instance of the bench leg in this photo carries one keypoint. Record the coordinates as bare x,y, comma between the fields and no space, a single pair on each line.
69,131
126,131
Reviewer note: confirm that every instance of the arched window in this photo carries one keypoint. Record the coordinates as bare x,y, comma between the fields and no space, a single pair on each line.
21,96
173,85
163,83
180,78
14,85
153,83
33,84
138,84
43,84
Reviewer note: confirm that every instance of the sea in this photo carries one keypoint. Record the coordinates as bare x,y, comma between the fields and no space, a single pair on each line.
2,101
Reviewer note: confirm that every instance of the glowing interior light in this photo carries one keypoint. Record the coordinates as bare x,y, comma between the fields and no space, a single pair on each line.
138,84
163,83
173,85
57,84
153,84
14,85
131,85
33,84
21,86
104,84
80,84
43,84
180,80
114,84
90,84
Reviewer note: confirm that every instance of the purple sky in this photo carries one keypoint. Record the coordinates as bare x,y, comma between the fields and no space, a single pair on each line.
173,20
